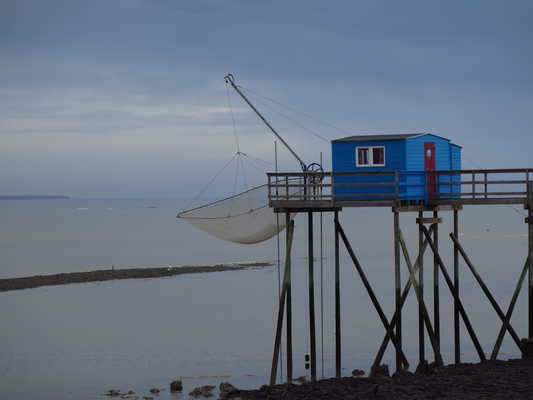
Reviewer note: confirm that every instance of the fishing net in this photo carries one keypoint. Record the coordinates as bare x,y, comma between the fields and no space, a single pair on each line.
244,218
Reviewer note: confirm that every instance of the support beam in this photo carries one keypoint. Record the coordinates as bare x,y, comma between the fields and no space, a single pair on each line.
421,341
510,310
337,301
312,332
288,249
530,255
462,311
486,290
370,291
456,318
397,289
436,296
281,307
425,315
394,320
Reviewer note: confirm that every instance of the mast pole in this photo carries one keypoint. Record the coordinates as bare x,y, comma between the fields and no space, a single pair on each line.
231,80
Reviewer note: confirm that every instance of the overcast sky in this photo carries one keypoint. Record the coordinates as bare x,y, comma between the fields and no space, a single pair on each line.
127,98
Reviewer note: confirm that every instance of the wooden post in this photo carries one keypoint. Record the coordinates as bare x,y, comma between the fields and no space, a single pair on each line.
456,318
436,300
370,292
394,320
337,302
421,344
289,299
283,297
397,289
510,310
462,310
530,245
486,290
311,295
424,312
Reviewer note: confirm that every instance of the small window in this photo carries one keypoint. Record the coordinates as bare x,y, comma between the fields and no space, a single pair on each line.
372,156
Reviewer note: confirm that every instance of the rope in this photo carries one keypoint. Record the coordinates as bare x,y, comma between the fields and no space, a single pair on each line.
210,182
312,132
310,116
233,120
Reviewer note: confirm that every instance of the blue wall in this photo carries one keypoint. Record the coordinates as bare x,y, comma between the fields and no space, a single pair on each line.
404,155
415,162
344,159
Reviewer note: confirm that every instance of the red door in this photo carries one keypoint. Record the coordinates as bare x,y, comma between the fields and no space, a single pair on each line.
429,165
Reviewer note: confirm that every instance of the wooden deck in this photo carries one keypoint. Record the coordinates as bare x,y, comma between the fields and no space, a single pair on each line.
321,191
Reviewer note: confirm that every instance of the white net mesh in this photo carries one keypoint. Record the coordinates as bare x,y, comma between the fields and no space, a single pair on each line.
244,218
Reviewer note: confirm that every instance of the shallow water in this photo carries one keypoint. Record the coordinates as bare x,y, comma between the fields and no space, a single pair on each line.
78,341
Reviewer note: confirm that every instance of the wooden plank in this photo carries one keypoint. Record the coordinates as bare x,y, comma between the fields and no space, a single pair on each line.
427,220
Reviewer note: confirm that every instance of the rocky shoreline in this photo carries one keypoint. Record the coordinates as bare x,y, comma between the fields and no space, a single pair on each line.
512,379
35,281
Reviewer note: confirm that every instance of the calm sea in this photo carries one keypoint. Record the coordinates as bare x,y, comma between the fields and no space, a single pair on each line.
78,341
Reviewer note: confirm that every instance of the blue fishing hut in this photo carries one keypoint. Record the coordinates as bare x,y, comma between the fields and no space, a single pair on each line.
374,167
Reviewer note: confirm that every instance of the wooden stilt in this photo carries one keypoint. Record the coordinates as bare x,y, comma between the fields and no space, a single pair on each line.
370,291
456,318
462,311
510,310
424,312
436,299
337,301
421,341
390,331
397,289
289,298
282,299
530,248
312,332
486,290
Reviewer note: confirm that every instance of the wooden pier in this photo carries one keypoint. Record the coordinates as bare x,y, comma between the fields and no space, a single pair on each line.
310,192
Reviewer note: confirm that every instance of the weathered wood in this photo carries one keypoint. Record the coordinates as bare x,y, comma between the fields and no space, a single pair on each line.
436,295
462,310
425,315
510,310
394,320
421,341
486,290
530,255
370,291
433,220
312,332
281,306
288,338
456,320
397,288
337,301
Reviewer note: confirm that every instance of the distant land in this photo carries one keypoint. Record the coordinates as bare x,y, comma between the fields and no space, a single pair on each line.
33,197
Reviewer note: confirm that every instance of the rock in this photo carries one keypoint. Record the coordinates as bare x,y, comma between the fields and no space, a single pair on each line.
402,374
131,392
206,391
113,393
358,372
176,386
423,368
148,398
527,348
226,389
155,390
381,371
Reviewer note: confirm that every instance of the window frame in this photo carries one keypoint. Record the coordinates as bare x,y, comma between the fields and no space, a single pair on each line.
370,156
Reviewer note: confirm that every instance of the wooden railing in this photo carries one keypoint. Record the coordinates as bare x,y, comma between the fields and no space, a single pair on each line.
489,186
